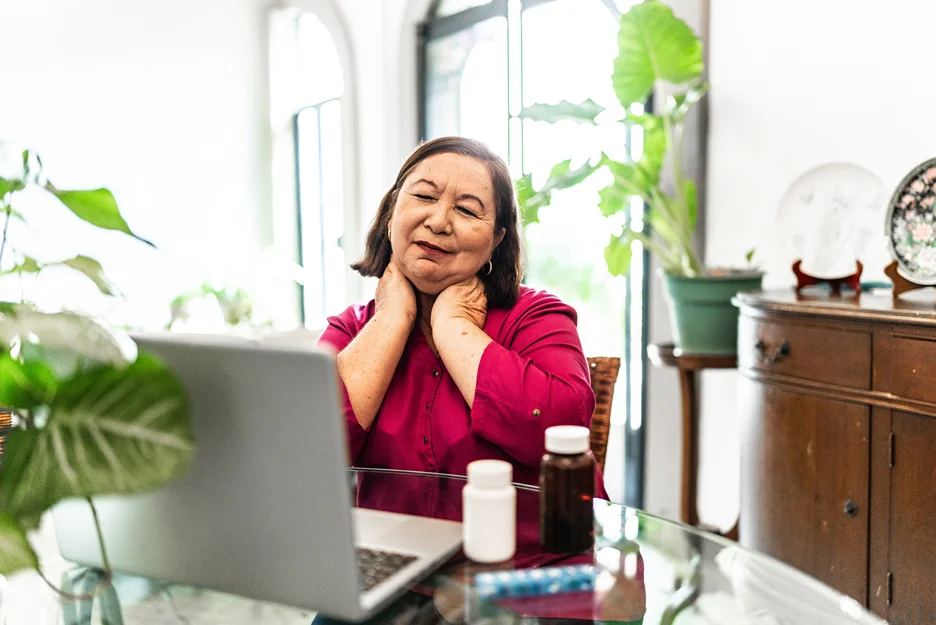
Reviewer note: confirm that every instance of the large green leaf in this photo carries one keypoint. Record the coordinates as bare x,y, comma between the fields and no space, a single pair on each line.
654,149
629,178
653,44
25,384
109,431
88,266
63,361
613,199
29,265
67,330
15,552
562,176
97,207
93,270
586,112
618,254
529,212
8,185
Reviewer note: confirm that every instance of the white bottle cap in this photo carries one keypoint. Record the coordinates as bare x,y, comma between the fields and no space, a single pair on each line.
489,473
567,439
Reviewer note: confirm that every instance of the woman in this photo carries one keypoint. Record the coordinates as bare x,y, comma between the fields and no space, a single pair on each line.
454,360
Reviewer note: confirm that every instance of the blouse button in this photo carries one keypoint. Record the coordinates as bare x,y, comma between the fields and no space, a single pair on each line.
425,440
427,405
435,373
536,413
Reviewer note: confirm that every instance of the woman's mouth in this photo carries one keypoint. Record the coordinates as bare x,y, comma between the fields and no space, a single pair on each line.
429,248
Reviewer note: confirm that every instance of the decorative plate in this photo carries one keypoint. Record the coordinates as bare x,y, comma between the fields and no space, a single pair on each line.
911,225
830,217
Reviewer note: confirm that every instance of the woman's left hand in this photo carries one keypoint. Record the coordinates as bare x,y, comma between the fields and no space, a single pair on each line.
462,300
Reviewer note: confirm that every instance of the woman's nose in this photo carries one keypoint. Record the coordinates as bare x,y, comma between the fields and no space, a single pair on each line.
439,219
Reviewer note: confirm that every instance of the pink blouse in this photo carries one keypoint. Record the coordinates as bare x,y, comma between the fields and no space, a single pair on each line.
532,376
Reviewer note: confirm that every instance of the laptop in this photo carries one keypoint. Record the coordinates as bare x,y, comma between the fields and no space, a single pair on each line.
266,510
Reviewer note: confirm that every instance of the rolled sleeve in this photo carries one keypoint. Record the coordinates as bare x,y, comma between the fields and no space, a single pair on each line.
540,379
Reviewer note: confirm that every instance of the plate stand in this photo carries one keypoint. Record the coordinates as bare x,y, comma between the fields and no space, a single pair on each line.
901,284
804,280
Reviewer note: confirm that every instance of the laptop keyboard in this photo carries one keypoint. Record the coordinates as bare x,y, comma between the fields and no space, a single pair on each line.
376,566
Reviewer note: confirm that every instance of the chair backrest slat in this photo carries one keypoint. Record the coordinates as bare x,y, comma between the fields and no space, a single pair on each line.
604,374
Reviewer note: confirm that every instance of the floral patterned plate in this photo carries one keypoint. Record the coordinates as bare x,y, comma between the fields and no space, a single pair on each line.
911,225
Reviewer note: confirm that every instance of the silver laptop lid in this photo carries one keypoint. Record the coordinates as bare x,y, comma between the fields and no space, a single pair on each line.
265,511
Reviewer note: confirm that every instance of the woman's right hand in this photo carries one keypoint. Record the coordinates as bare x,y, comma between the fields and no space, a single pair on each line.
395,294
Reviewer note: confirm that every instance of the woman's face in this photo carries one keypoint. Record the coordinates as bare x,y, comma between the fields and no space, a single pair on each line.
443,226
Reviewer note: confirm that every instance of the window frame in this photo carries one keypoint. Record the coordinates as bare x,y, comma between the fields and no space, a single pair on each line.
284,150
433,28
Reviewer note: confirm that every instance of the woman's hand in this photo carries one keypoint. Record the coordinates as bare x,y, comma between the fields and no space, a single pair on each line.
395,294
462,300
457,320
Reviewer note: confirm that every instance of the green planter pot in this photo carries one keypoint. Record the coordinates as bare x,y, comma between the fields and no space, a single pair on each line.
704,319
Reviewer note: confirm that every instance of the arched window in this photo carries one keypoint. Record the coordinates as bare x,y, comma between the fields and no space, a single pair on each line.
482,63
312,143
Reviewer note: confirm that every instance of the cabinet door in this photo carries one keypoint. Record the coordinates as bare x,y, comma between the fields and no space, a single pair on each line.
804,483
912,558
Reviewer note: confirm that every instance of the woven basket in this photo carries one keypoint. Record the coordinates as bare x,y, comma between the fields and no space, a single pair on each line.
6,422
604,373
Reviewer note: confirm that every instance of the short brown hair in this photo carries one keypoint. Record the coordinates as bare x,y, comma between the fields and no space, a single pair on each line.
502,286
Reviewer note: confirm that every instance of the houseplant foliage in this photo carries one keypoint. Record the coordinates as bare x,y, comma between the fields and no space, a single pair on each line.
659,55
91,415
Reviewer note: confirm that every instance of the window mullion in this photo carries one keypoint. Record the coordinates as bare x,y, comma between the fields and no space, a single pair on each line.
514,86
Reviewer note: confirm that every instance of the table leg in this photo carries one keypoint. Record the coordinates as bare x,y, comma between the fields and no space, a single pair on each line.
690,447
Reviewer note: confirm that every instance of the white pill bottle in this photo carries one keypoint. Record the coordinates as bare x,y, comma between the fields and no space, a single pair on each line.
489,512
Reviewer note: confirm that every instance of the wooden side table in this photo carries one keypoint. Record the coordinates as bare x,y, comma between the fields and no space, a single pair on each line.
665,354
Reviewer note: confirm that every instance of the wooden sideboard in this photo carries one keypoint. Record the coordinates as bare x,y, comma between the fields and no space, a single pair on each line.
838,442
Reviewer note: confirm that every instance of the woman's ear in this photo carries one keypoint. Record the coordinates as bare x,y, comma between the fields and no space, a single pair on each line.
499,236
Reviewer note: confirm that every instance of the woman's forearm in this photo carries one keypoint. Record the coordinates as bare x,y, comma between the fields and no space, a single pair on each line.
461,344
368,363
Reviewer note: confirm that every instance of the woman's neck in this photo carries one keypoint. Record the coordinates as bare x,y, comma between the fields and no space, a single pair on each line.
424,318
424,306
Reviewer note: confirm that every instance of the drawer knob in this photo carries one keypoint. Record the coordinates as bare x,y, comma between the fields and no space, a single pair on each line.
779,354
851,509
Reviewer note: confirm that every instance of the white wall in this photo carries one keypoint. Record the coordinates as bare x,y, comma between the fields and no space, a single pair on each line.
663,426
160,101
796,84
166,104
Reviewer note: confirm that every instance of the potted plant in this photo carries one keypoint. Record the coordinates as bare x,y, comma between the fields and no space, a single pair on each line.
658,55
92,416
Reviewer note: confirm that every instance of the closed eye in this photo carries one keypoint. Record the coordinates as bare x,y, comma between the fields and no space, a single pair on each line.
466,211
424,197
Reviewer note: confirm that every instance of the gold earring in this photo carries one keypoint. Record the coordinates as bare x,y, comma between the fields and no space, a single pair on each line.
490,268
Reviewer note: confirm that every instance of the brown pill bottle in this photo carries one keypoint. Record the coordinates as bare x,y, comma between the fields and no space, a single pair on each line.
567,487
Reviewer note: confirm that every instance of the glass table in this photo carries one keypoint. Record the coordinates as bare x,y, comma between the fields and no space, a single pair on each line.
648,570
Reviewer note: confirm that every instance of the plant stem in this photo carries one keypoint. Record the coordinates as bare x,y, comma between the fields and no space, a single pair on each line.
106,580
6,224
100,536
673,133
